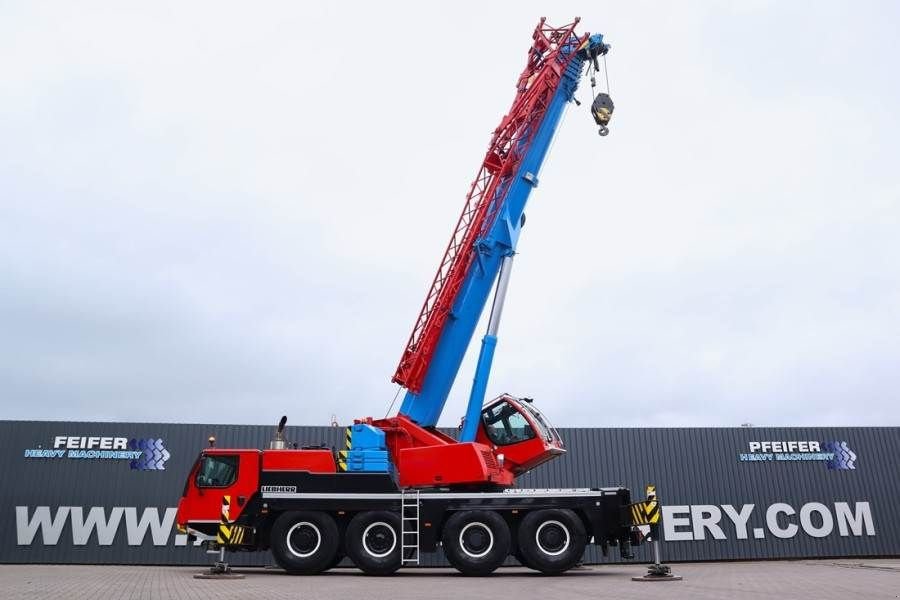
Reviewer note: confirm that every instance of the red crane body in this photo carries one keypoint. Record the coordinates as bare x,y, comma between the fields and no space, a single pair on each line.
403,487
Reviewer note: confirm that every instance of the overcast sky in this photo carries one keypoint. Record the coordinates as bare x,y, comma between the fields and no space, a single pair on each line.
227,212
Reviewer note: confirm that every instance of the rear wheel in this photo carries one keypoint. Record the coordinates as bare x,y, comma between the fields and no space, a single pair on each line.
304,542
551,541
476,542
373,542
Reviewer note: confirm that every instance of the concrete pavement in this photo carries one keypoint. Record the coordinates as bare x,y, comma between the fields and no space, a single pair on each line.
815,580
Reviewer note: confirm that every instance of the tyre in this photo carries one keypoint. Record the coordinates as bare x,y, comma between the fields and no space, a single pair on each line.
476,542
373,542
551,541
304,542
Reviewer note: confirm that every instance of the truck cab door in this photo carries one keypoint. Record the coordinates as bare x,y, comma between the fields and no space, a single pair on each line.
219,486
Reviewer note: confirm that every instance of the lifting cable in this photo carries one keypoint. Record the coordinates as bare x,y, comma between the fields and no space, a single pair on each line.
601,103
592,72
399,387
606,74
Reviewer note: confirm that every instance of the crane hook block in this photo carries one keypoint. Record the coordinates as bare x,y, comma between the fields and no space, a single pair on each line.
602,109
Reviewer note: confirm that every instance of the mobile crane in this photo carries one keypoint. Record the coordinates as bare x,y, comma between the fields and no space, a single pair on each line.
401,486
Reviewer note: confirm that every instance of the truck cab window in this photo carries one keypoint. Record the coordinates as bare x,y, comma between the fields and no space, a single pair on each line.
505,425
217,471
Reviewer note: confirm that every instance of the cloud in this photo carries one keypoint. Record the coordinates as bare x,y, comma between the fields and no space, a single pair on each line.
215,214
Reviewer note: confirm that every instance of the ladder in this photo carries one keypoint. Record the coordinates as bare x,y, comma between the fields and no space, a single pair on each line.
409,527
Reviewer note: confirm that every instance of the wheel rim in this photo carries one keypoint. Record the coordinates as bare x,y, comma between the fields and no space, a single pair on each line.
379,539
476,539
303,539
552,538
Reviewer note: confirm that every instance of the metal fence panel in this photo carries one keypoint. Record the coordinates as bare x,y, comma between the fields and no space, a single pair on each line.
717,506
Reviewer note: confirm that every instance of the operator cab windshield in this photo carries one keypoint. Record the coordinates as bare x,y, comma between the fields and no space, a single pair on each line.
548,431
505,425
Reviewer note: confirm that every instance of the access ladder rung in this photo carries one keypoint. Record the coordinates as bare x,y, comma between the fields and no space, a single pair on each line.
409,534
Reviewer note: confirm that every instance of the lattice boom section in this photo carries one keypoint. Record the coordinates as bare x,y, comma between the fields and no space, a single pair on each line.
510,142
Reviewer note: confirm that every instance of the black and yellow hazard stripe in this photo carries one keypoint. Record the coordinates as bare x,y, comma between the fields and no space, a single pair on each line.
645,513
228,533
240,535
224,533
342,455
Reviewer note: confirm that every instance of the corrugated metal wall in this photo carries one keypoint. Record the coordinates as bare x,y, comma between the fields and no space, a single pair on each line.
699,468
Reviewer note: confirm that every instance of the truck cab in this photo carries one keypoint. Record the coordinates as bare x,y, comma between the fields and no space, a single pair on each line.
218,486
224,481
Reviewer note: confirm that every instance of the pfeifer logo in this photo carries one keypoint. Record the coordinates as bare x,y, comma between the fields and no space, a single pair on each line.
153,455
844,458
142,454
836,455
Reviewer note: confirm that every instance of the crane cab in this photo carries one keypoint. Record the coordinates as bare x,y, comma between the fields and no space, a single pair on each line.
516,430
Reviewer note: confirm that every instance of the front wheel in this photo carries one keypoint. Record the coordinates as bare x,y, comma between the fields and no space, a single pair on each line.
476,542
552,540
304,542
373,542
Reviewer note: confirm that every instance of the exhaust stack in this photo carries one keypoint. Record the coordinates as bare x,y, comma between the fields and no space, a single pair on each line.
278,443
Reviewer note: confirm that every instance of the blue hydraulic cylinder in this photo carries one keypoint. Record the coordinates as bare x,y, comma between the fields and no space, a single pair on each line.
425,407
479,388
486,355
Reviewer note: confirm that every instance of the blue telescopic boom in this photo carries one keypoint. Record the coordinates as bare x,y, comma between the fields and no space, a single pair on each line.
493,251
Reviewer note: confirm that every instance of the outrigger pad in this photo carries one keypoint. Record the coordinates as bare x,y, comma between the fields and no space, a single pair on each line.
602,109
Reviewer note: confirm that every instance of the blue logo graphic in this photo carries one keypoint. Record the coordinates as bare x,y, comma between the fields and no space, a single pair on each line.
844,457
153,454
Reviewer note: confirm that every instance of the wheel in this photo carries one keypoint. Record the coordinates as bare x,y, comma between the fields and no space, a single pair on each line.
551,541
373,542
303,542
604,131
476,541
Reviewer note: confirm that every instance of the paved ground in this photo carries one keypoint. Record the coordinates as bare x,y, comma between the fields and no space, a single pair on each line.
818,580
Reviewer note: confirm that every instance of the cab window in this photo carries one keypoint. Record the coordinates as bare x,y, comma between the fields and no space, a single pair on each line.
217,471
505,425
547,432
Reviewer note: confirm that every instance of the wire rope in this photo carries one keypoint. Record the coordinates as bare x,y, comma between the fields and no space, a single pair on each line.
391,407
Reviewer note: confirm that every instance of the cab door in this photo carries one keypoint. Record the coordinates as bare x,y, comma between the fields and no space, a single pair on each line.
219,486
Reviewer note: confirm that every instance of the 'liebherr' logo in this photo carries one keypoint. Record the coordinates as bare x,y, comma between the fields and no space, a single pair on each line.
290,489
